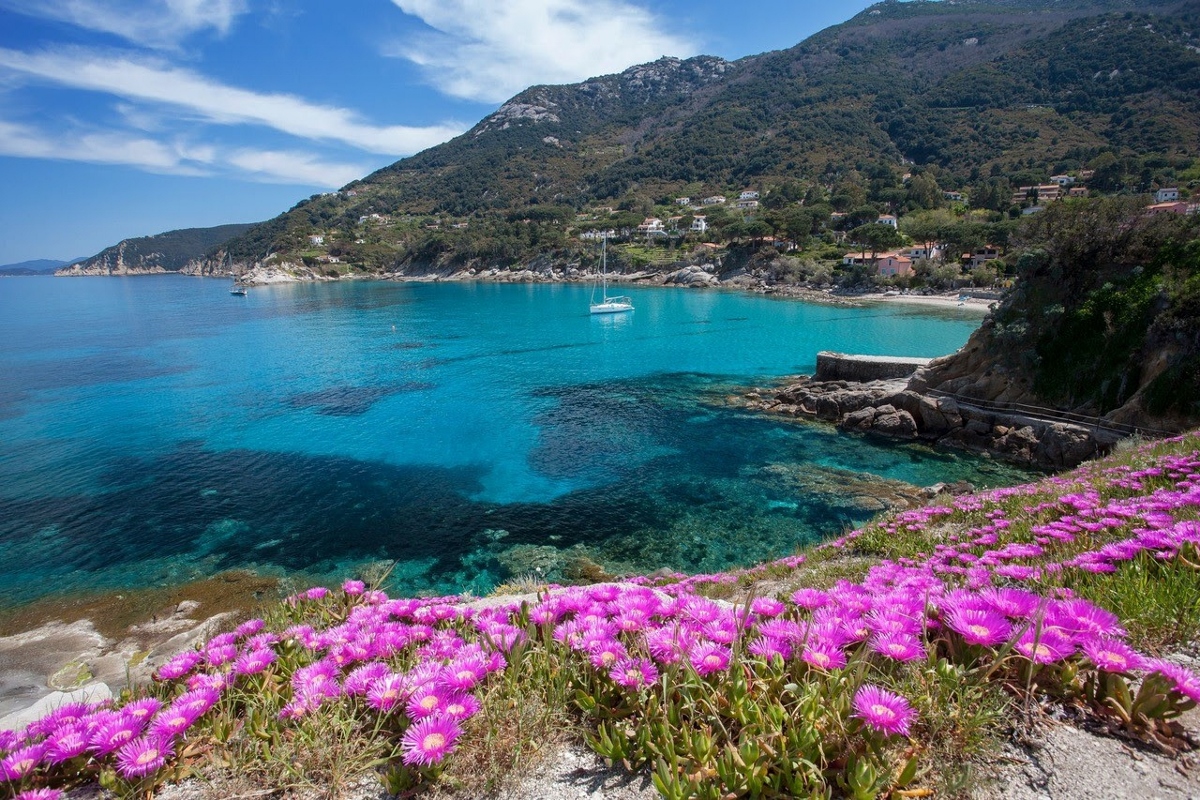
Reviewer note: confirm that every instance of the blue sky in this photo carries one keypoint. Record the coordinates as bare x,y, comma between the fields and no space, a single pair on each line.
124,118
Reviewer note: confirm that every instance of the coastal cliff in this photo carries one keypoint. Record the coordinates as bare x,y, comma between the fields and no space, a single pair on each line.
185,252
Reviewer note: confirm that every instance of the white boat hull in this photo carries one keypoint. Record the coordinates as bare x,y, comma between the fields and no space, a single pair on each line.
611,308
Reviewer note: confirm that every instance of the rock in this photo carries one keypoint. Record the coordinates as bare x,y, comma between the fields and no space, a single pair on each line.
826,407
897,423
91,693
186,608
860,420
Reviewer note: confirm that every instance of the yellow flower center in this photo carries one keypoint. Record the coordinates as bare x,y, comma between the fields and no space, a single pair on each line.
148,756
712,660
465,675
882,711
433,741
429,702
979,630
1114,658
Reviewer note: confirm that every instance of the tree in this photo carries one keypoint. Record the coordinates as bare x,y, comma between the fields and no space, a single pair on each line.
877,237
924,192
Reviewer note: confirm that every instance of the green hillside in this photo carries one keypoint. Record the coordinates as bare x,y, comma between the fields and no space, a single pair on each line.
165,252
977,97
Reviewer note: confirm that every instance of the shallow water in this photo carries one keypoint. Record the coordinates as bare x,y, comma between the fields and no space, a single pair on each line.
154,430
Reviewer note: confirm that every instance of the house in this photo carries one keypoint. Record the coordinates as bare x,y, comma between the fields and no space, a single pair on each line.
458,226
316,240
1168,208
922,251
893,265
889,220
699,224
715,200
595,236
864,258
1166,195
749,194
1078,191
981,256
1086,174
652,225
1044,193
683,201
746,204
1062,180
954,197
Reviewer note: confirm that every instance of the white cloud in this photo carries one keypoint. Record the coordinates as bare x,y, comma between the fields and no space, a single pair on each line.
491,49
175,158
275,166
158,23
127,76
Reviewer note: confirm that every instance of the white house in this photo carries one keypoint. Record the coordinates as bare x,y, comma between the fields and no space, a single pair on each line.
746,204
595,236
749,194
922,251
316,240
683,201
954,197
1062,180
652,225
889,220
699,224
715,200
1166,195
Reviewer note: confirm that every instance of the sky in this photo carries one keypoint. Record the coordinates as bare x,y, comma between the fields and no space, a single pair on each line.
122,118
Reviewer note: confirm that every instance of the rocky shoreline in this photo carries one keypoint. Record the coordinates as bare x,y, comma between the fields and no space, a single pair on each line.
908,408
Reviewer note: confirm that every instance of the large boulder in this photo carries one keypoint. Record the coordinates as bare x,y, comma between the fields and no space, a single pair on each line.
896,423
860,420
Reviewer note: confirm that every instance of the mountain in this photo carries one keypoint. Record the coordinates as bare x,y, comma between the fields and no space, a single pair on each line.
39,266
174,251
972,95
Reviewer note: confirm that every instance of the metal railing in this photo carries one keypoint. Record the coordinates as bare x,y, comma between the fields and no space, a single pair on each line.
1053,415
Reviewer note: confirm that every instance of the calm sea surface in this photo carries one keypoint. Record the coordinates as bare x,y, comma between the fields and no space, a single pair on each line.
155,430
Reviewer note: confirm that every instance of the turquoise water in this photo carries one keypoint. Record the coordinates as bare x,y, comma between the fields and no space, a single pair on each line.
154,430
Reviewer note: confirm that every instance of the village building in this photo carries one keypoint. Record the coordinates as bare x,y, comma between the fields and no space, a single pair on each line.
652,225
683,201
1177,207
746,204
715,200
1166,195
954,197
699,224
749,194
1062,180
893,266
316,240
889,220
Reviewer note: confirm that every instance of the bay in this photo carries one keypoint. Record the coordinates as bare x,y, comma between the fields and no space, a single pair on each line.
155,429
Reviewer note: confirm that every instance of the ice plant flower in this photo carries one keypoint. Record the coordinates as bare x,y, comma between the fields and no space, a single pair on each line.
884,711
143,756
429,741
634,673
979,626
1112,655
708,658
40,794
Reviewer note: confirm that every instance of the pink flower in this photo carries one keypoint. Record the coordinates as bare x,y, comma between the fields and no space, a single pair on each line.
1187,683
143,756
179,666
69,741
359,681
354,588
1112,655
824,655
429,741
883,711
21,762
767,607
40,794
633,673
462,706
1046,648
898,646
254,662
978,626
114,734
708,658
426,701
386,692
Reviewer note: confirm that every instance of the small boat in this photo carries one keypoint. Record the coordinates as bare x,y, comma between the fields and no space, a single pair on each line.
608,305
240,291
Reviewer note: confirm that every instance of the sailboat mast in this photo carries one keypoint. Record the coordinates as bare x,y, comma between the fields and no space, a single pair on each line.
604,266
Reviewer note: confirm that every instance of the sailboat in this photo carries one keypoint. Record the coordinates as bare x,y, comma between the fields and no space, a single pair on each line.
237,289
608,305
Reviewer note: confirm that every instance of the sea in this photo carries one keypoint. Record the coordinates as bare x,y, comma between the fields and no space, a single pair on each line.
157,430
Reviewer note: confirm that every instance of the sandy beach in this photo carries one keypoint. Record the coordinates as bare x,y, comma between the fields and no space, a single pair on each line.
939,300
